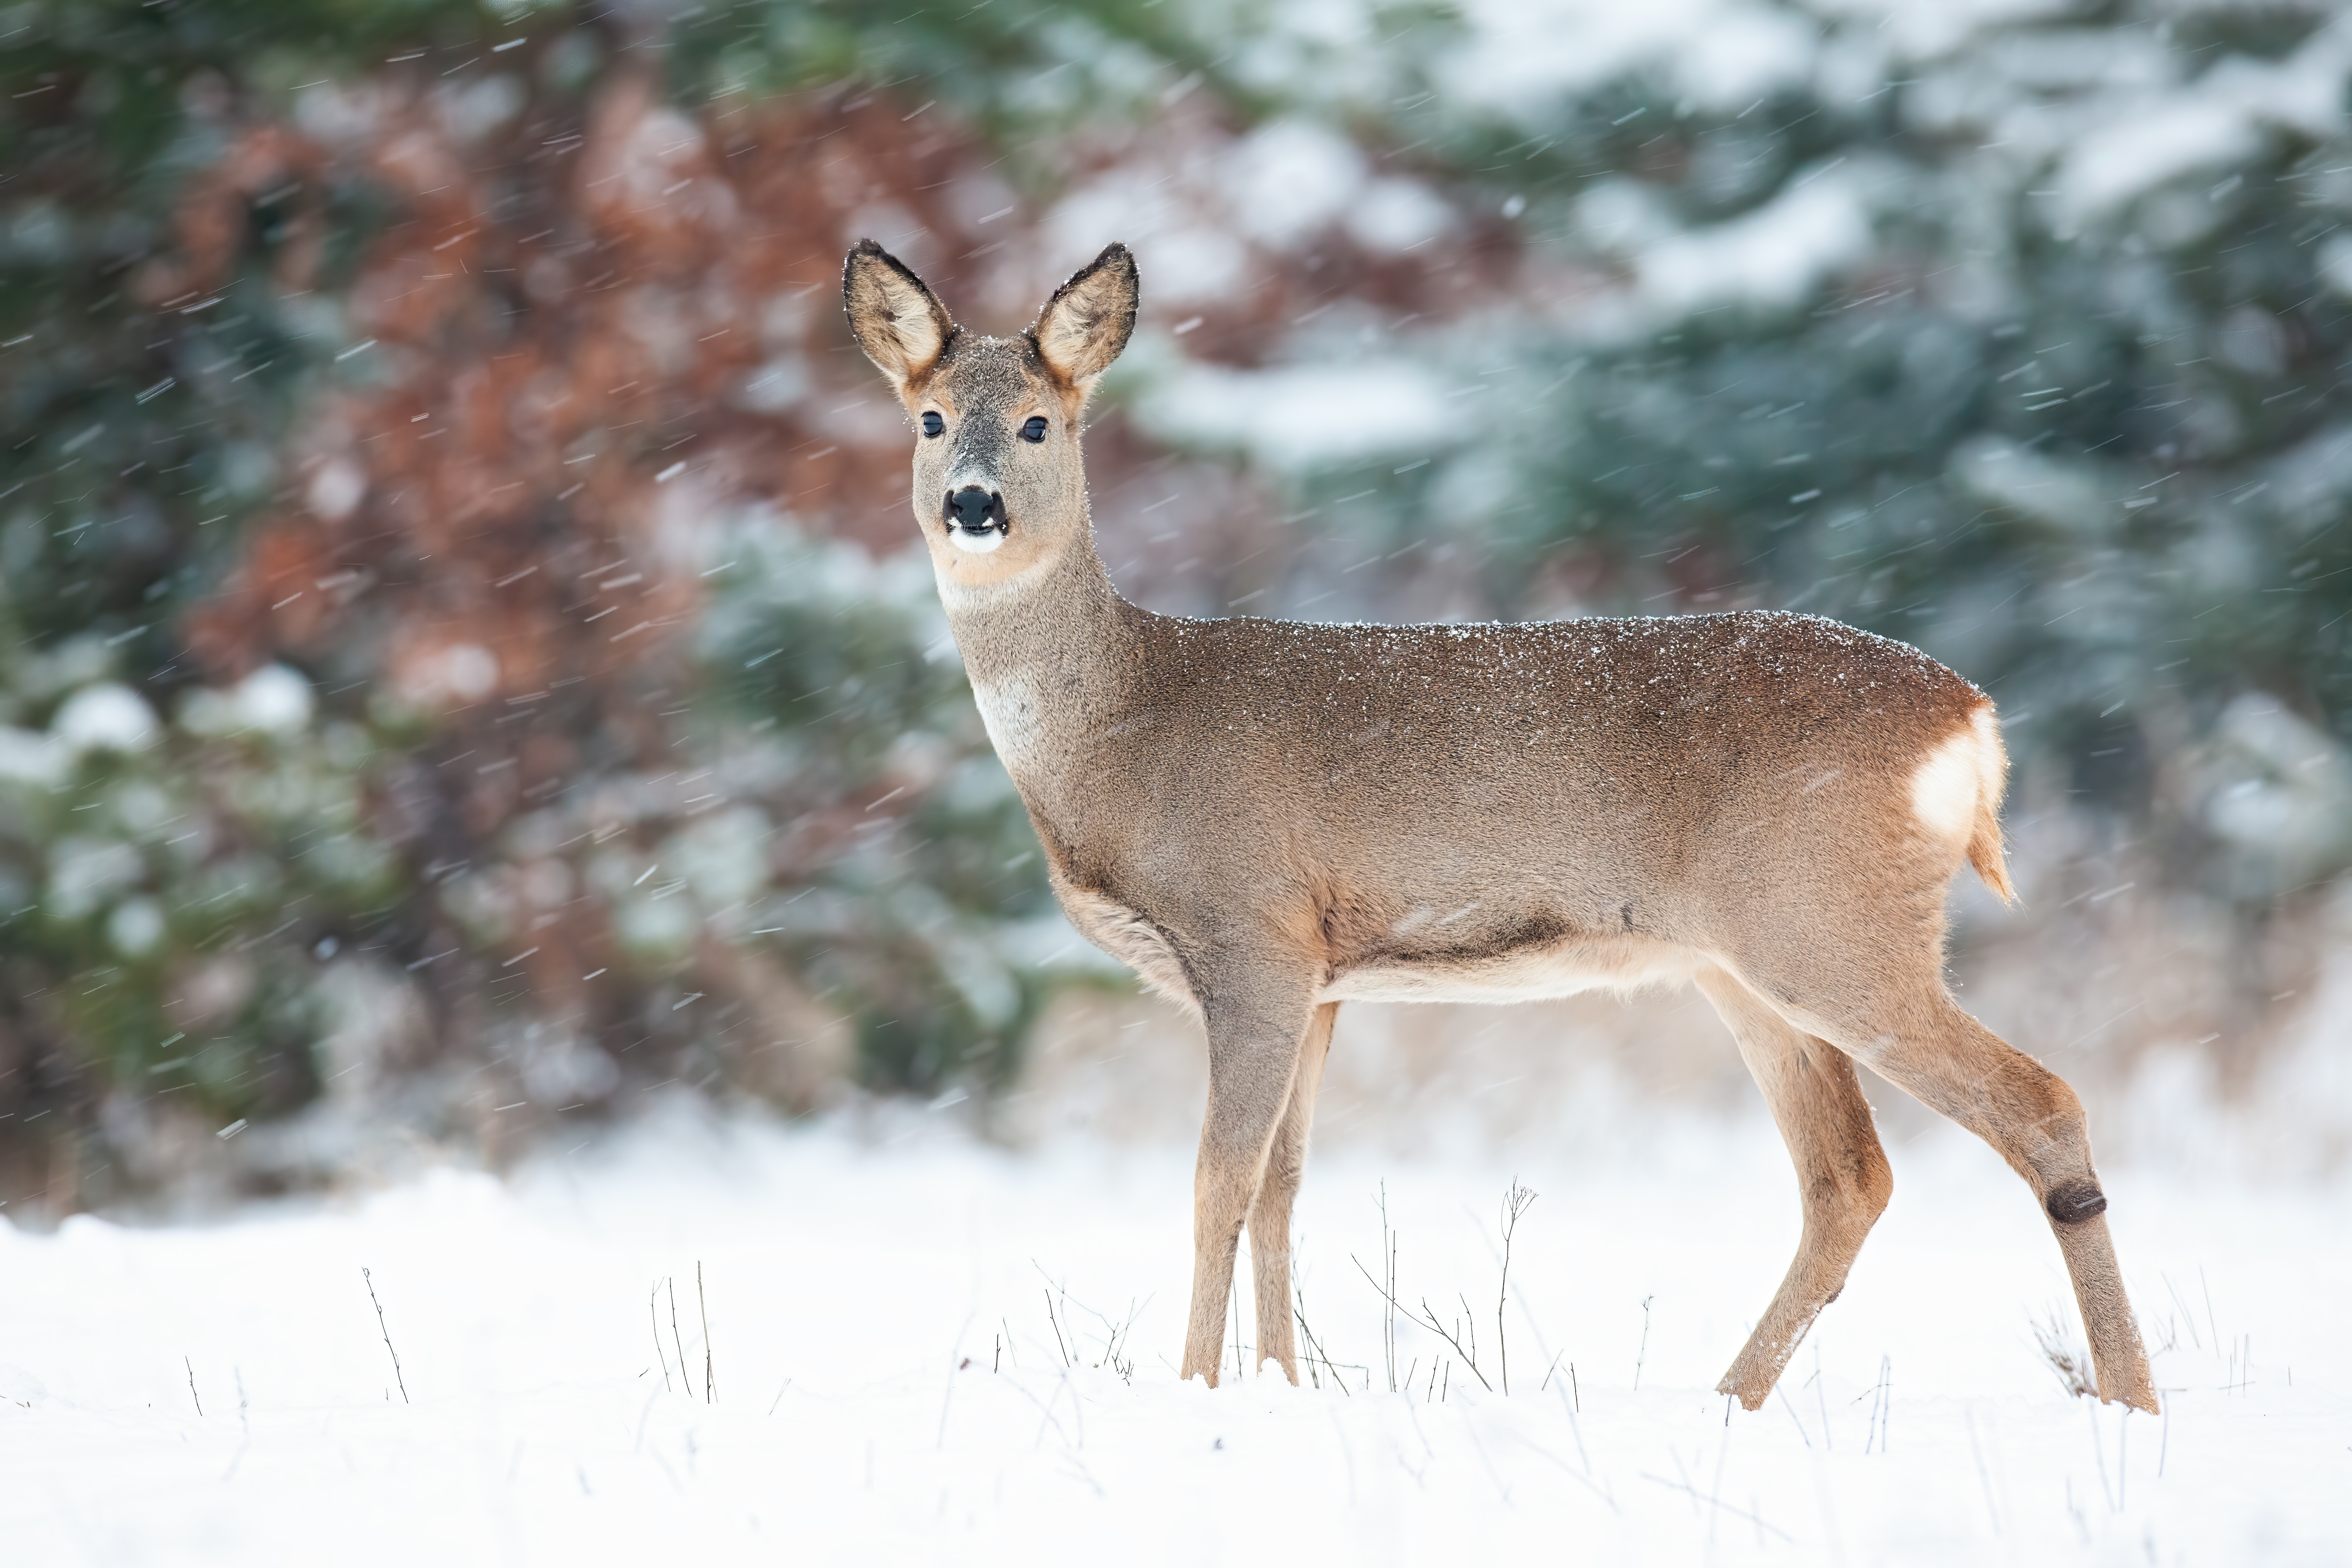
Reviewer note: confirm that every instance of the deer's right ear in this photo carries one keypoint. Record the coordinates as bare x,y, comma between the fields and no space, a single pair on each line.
899,323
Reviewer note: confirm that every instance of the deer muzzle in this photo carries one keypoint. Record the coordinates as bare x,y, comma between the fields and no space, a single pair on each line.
975,519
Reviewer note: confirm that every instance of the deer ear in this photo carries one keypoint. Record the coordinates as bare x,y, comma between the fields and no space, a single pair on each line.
899,323
1085,324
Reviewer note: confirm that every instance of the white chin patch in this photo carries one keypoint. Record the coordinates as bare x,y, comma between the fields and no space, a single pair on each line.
975,544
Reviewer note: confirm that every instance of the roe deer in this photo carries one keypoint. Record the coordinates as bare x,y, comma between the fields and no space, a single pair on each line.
1265,819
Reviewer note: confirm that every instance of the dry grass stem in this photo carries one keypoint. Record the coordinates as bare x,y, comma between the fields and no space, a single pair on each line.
674,1338
2066,1358
1515,1203
1059,1342
710,1385
653,1316
1465,1344
1388,1313
1316,1350
380,1328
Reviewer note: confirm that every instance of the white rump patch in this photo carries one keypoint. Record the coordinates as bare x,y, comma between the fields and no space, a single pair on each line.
1944,788
976,544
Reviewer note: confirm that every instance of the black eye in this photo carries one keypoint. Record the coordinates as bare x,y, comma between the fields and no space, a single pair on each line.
1035,429
932,422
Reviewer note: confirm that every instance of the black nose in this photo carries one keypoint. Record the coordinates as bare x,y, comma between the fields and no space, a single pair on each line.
974,509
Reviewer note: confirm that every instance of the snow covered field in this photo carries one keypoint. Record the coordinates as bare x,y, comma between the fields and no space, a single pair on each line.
889,1386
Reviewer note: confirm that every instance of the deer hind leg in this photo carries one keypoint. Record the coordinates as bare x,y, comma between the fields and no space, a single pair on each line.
1920,1041
1842,1176
1269,1216
1255,1045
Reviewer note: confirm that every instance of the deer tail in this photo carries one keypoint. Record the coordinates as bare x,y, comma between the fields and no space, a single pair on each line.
1985,851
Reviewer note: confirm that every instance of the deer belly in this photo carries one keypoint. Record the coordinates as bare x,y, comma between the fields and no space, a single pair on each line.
1623,964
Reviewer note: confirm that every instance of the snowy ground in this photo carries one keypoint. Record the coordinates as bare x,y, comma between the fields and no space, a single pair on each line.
863,1282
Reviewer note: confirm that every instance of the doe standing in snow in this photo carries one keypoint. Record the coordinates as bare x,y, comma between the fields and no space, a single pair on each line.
1266,819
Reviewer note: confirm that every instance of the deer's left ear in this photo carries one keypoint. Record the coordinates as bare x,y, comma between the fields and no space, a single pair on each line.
1087,323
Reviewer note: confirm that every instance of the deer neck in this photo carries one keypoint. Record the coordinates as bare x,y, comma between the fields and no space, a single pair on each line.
1046,653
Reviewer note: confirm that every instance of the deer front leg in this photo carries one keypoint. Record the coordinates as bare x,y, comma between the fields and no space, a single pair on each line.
1257,1028
1269,1217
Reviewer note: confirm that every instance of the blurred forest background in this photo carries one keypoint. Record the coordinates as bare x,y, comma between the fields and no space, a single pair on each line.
463,665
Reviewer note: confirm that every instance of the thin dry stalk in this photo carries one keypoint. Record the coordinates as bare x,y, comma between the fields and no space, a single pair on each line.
380,1328
2066,1357
1643,1353
1515,1203
1058,1340
1234,1316
1822,1396
710,1387
1315,1349
1427,1319
1881,1395
653,1316
1117,1332
1388,1313
191,1385
2187,1314
674,1336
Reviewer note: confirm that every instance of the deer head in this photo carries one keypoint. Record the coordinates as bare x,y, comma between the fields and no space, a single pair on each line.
1000,489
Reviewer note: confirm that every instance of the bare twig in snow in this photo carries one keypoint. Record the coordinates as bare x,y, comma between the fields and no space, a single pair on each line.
1782,1391
1984,1477
1427,1319
710,1387
1515,1203
1059,1340
1643,1353
1821,1396
653,1316
674,1338
191,1385
1388,1313
2066,1357
385,1331
2210,1322
1718,1504
1234,1316
1315,1349
1882,1405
